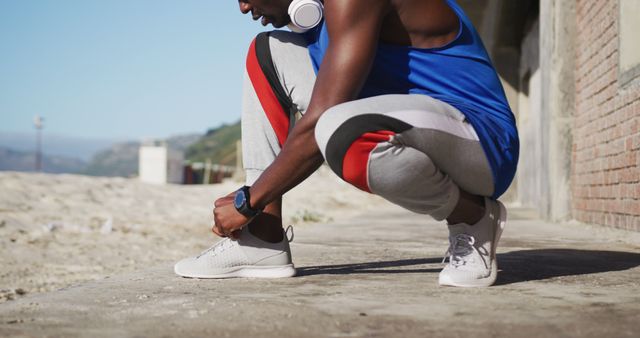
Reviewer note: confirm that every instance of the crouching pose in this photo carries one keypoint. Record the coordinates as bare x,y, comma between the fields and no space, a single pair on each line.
399,97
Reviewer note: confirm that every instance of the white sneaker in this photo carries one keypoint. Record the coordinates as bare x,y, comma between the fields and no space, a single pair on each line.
247,256
472,249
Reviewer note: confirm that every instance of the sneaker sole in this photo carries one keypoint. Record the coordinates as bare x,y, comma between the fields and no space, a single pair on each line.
491,279
248,271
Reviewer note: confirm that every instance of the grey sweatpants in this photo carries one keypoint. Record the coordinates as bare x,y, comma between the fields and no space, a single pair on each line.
413,150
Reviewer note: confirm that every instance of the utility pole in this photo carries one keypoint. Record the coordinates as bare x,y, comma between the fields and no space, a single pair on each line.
38,123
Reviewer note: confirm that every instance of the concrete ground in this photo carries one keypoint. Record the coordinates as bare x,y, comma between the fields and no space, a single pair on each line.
373,276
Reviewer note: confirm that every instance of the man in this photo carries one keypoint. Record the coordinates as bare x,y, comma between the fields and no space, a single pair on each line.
399,97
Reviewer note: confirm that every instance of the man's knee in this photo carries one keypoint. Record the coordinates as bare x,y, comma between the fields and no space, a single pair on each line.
344,123
346,144
279,37
263,45
326,126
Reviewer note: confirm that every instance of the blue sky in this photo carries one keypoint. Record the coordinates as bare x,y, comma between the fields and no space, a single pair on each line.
122,69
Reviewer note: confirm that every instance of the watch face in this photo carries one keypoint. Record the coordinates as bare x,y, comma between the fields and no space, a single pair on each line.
239,200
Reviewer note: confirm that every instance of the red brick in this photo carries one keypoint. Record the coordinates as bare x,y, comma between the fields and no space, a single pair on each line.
605,168
632,206
631,158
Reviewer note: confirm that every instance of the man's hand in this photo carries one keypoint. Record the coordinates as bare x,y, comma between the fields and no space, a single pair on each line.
227,221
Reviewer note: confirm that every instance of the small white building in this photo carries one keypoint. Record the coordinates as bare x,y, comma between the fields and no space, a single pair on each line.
158,164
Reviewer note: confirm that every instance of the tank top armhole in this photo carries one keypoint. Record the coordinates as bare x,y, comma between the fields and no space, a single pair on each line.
461,29
455,10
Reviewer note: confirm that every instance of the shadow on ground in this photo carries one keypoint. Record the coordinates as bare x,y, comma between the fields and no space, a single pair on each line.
515,266
397,266
529,265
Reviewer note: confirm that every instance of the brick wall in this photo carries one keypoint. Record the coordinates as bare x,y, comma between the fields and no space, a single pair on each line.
605,173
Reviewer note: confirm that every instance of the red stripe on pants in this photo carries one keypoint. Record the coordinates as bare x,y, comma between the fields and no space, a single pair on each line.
273,109
354,165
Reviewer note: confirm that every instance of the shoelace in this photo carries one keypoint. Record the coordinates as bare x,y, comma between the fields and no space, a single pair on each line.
218,247
226,243
461,246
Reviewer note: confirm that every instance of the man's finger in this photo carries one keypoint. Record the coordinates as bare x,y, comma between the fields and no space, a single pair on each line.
226,232
216,230
223,201
236,234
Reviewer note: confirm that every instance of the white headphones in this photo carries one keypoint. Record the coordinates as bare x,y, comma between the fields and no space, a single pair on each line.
305,14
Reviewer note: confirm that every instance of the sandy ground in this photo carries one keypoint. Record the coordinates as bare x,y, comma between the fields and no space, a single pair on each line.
93,257
57,230
373,275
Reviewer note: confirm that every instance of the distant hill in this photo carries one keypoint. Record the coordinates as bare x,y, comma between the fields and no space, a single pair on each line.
25,161
55,144
183,142
217,145
121,159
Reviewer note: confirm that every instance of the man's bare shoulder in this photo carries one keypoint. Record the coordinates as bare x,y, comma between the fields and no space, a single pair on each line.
419,23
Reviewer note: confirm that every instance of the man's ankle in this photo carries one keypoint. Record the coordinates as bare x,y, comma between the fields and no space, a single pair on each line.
267,227
267,234
469,210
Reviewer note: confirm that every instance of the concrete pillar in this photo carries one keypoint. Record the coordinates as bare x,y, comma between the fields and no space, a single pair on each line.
557,64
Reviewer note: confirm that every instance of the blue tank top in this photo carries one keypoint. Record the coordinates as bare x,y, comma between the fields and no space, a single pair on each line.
460,74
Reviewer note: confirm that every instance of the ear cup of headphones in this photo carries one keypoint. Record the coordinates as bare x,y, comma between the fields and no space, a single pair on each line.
305,14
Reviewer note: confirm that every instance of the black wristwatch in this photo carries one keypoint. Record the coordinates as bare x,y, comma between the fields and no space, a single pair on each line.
243,204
